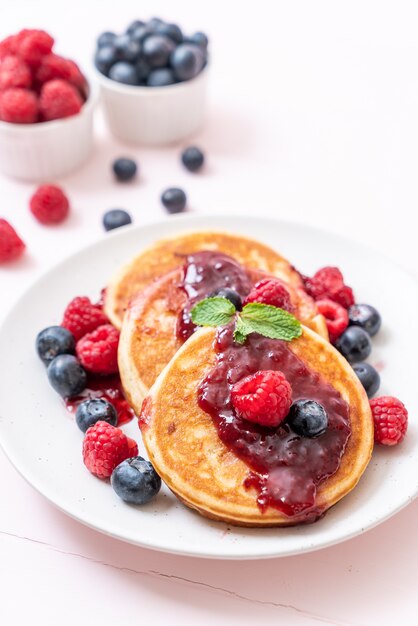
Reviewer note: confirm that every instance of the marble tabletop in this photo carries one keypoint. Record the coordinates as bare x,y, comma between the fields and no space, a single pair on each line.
312,118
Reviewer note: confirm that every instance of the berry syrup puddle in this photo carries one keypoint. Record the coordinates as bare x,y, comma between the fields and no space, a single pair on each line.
109,388
286,468
205,273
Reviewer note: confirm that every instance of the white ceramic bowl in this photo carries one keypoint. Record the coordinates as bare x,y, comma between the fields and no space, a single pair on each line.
154,116
48,150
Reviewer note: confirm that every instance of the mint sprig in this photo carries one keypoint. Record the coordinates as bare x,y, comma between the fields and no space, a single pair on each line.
270,321
212,312
242,329
255,317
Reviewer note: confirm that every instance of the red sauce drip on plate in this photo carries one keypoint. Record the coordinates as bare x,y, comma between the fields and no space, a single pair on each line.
205,273
286,469
109,388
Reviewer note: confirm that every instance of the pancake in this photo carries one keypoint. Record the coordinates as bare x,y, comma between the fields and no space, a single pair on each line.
186,450
165,255
149,340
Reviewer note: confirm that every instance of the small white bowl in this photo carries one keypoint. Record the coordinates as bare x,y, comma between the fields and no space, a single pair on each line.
48,150
154,116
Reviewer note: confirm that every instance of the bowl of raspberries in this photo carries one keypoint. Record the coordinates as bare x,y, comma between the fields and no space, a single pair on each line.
153,80
46,109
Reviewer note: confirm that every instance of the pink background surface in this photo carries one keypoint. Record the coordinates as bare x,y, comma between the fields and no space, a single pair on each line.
313,118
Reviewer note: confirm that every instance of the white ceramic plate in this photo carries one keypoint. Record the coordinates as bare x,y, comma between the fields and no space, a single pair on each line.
43,443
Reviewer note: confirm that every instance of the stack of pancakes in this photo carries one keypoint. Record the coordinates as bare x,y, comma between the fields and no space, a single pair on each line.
145,300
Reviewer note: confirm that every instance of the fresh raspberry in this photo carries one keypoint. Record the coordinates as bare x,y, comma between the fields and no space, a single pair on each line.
325,281
344,296
390,419
104,447
336,317
59,99
98,351
328,283
19,106
54,66
77,78
264,397
133,447
7,46
270,291
14,73
82,317
20,36
11,245
49,204
32,45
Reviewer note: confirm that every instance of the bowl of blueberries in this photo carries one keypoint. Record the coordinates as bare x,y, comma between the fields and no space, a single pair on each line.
153,82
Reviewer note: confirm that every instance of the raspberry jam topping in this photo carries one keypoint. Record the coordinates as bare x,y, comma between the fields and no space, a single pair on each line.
109,388
286,468
205,273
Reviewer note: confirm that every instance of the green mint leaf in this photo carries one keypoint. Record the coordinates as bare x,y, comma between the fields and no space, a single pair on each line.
239,337
212,312
270,321
241,330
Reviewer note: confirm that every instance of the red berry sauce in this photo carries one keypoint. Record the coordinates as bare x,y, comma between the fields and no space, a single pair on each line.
286,468
109,388
102,297
204,273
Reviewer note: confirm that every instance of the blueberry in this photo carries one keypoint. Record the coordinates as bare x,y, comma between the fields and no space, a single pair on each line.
192,158
161,77
105,39
123,72
66,375
124,169
94,410
187,61
133,26
120,42
131,52
199,39
53,341
354,344
135,481
142,69
141,32
308,418
104,59
126,49
170,30
230,295
154,23
365,316
115,218
368,377
157,50
174,200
